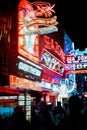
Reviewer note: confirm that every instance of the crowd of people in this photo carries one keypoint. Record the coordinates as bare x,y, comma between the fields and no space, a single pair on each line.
72,115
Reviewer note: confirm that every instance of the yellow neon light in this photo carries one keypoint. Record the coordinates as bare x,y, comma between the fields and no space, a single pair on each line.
42,21
24,83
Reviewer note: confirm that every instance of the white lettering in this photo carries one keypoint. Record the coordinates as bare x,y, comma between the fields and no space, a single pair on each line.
28,68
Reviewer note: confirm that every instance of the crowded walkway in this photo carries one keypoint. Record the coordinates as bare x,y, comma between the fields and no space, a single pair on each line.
47,116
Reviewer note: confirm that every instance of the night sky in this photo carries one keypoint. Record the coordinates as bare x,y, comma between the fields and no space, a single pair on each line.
72,15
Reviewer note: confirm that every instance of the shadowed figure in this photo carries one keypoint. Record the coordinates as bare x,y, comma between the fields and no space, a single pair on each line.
45,119
75,118
19,121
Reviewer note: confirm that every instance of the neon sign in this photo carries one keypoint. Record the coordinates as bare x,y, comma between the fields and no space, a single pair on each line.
81,66
76,64
24,83
29,26
43,8
28,45
40,31
46,85
76,68
76,72
43,22
77,59
28,69
48,60
7,89
50,44
69,67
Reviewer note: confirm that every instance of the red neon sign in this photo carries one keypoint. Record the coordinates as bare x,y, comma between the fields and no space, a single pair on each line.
7,89
28,45
50,44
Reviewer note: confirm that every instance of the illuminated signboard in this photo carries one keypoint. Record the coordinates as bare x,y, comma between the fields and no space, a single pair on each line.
8,97
7,89
69,67
77,59
76,68
51,62
28,69
28,44
24,83
51,45
79,66
76,63
44,19
46,85
77,72
31,23
49,78
51,73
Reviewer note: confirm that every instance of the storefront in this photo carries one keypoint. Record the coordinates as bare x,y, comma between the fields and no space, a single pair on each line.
11,97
